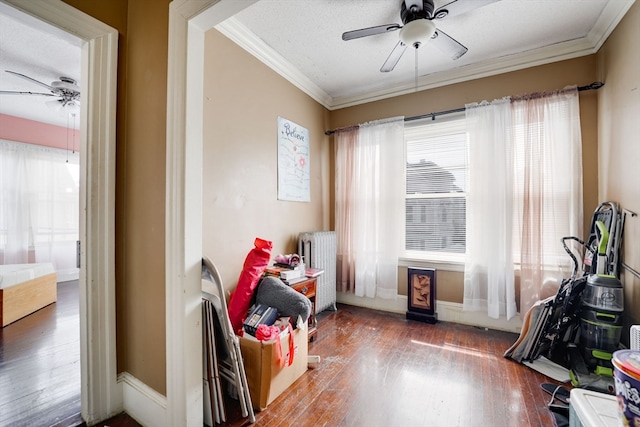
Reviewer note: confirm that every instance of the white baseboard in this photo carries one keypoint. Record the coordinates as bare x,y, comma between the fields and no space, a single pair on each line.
447,311
399,305
141,402
452,312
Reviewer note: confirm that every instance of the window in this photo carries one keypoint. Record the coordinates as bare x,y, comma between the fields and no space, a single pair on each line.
551,182
436,176
39,215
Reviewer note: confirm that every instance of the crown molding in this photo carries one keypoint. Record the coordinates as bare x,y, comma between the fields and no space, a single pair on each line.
243,37
589,44
546,55
608,20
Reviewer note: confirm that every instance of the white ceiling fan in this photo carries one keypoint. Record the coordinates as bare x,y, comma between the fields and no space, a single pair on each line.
65,92
418,28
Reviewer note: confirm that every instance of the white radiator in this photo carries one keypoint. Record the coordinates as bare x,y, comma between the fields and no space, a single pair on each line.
318,249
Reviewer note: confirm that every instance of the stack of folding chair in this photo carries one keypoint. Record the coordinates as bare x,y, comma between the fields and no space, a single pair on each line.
222,357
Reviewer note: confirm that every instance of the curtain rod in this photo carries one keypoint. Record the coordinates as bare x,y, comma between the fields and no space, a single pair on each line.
592,86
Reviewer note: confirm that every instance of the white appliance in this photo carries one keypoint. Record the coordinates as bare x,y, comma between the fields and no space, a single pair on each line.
634,340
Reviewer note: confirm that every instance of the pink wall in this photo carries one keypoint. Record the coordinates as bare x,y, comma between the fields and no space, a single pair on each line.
23,130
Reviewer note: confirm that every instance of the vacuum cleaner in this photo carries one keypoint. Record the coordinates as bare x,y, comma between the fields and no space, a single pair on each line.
601,322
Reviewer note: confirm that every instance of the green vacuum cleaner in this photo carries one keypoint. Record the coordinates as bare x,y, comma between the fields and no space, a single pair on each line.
601,323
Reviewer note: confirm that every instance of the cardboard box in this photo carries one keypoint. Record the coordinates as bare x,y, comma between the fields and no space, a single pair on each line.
266,379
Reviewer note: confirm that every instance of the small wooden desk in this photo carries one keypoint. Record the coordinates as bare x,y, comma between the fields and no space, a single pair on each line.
308,289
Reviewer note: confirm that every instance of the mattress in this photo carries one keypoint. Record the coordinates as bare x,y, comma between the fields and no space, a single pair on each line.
12,274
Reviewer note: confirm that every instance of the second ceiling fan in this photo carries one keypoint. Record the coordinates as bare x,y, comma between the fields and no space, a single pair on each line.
418,28
66,92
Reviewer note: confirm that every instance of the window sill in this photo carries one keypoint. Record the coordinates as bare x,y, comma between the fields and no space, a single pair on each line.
445,263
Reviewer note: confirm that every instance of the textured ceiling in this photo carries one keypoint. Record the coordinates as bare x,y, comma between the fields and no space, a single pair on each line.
301,40
43,52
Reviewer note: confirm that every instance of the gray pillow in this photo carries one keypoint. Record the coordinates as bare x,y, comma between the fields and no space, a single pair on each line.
289,302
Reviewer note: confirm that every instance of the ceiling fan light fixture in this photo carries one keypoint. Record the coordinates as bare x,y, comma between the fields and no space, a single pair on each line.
416,32
73,107
63,106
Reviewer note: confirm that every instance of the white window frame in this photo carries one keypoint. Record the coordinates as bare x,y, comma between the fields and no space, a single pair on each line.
429,128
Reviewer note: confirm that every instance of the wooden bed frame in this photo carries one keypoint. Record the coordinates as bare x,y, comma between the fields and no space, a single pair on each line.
24,298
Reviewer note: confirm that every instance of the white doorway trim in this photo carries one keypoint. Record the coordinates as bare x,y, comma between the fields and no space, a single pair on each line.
101,397
188,22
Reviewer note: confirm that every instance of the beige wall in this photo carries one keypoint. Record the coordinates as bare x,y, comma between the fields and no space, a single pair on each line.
580,71
619,142
141,178
242,101
140,182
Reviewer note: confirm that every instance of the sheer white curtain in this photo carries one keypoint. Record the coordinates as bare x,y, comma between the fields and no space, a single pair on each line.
489,283
549,204
525,194
370,207
39,213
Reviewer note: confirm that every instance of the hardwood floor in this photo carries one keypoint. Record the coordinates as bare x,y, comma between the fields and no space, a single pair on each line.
40,365
377,369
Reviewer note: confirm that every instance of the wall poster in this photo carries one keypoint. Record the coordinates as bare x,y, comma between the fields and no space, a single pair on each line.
293,162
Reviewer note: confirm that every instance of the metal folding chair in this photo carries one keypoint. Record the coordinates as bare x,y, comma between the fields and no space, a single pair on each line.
230,367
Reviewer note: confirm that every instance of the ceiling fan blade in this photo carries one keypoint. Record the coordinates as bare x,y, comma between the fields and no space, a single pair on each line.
32,80
11,92
458,7
394,57
447,44
371,31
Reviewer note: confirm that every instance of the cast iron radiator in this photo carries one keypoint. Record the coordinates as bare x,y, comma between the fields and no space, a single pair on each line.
318,249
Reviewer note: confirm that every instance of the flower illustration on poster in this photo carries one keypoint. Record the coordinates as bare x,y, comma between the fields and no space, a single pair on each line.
293,162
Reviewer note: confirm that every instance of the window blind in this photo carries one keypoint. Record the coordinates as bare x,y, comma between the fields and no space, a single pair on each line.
436,183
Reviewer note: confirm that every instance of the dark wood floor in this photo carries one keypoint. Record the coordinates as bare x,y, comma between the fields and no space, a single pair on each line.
40,365
377,369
